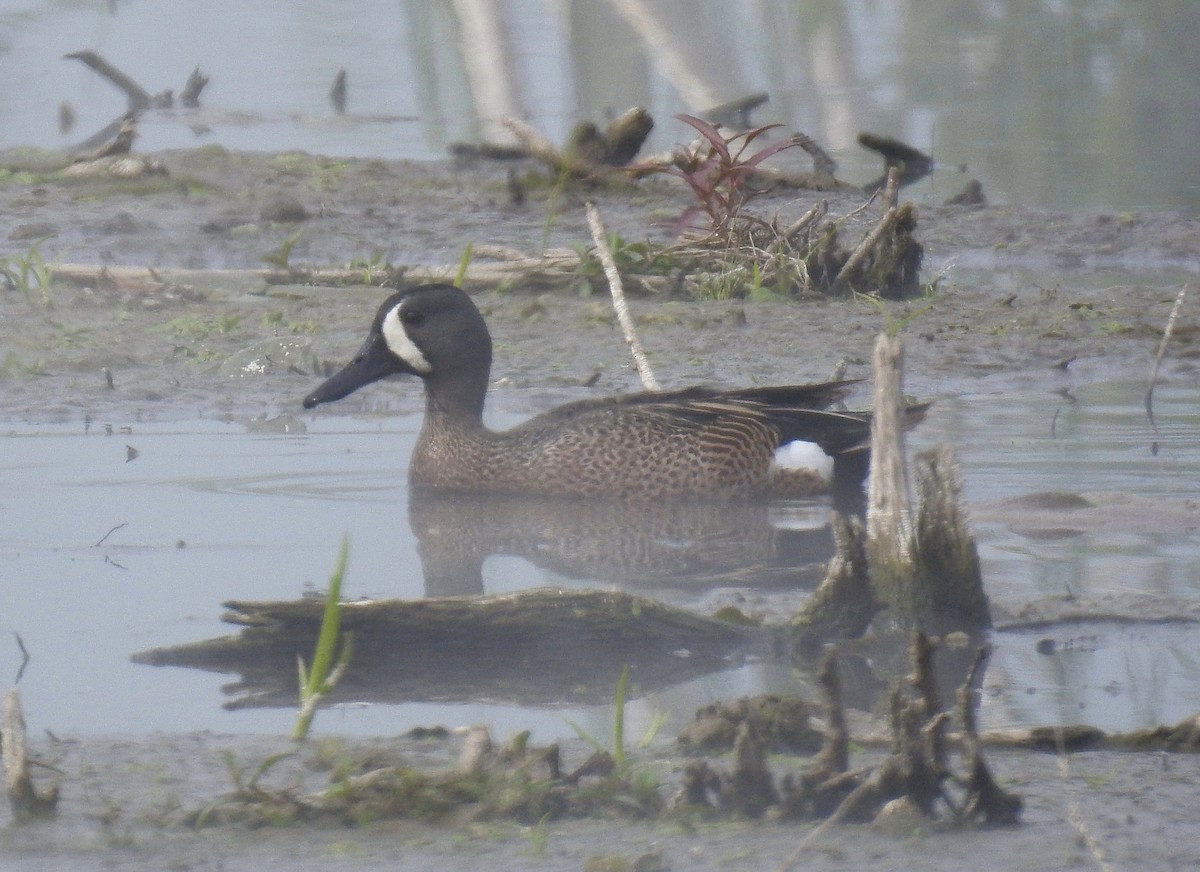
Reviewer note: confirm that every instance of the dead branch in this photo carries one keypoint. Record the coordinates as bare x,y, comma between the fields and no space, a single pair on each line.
844,605
600,237
189,97
910,163
986,801
26,801
735,113
553,268
139,98
865,247
1162,349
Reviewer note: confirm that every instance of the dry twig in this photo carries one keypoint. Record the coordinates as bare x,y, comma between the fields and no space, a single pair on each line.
618,294
1162,348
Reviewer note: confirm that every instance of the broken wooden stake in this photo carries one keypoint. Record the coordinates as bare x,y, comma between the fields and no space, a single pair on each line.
27,802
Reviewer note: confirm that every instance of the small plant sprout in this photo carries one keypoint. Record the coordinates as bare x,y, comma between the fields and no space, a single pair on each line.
463,262
317,682
891,324
28,273
281,256
619,718
375,269
617,751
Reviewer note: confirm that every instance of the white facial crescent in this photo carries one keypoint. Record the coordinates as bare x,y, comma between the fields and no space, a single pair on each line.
400,345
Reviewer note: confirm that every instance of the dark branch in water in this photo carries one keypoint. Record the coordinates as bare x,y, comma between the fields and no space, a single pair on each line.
912,165
110,532
190,95
139,98
337,94
24,657
735,113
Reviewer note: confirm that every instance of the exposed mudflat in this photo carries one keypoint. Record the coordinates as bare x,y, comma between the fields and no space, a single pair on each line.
197,344
1045,314
124,798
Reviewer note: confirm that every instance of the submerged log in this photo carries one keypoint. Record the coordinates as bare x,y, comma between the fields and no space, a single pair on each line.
532,647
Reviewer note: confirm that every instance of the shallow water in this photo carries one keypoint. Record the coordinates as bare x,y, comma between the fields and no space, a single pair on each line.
104,555
1047,103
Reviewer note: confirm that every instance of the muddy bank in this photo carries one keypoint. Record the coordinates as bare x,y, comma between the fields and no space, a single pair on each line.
217,209
126,796
203,344
203,350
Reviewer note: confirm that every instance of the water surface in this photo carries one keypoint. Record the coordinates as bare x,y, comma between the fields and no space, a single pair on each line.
1063,104
103,556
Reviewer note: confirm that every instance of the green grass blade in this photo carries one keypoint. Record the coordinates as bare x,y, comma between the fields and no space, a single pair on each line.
330,623
463,263
619,718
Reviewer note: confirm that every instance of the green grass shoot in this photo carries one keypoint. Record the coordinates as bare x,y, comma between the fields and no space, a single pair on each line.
463,263
281,257
28,273
317,682
619,718
618,737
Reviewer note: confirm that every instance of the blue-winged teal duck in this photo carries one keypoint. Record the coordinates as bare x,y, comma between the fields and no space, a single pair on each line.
697,442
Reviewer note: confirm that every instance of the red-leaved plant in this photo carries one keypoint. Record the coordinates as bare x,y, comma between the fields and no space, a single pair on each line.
719,174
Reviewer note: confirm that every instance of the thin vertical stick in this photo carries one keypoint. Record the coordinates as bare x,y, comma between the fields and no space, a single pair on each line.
618,294
1162,348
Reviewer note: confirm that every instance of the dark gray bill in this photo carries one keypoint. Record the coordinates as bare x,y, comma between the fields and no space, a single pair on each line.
373,362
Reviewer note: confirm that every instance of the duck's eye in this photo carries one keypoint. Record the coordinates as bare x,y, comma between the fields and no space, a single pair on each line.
412,317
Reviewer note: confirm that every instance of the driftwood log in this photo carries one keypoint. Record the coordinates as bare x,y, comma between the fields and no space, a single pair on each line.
552,270
533,647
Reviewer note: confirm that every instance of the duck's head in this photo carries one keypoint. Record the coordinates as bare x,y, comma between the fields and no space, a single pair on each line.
431,331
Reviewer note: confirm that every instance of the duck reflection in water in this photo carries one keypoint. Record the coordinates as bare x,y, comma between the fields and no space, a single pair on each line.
642,547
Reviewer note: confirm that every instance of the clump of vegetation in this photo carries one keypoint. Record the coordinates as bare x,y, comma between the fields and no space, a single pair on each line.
530,785
719,172
517,781
28,274
737,253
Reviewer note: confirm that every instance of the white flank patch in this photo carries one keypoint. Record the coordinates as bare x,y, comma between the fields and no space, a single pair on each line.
805,456
399,344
